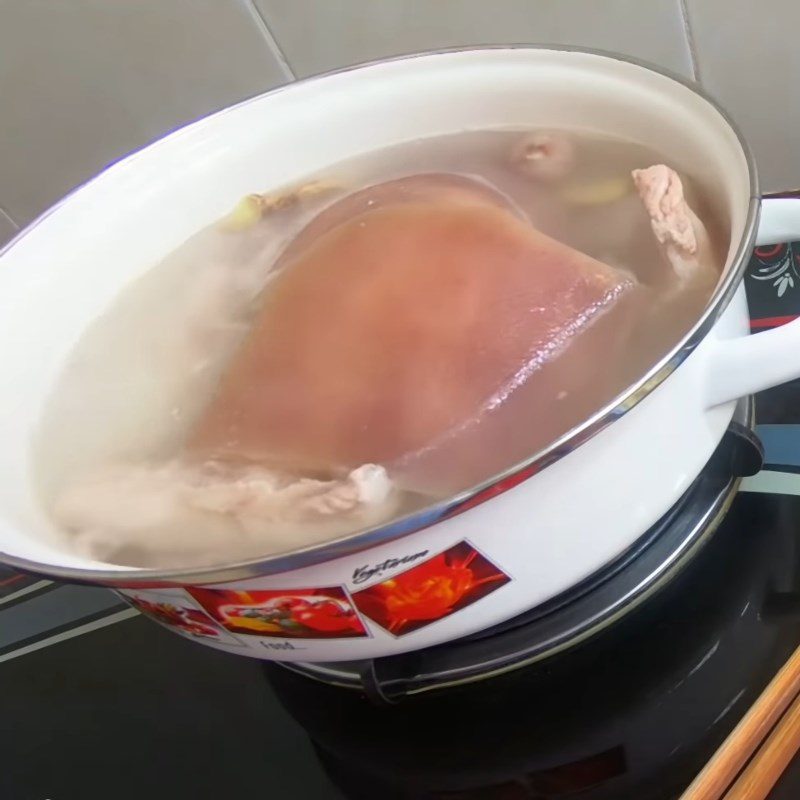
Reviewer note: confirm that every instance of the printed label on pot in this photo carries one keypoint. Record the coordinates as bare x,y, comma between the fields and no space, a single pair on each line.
287,614
180,615
431,590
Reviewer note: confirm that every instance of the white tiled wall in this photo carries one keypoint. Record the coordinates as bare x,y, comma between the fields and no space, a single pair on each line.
83,82
318,35
751,63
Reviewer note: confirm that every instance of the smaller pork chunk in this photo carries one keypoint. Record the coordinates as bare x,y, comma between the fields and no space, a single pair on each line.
683,238
183,514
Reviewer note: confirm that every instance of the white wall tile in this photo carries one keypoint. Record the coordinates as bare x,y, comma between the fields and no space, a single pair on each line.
748,58
317,35
84,82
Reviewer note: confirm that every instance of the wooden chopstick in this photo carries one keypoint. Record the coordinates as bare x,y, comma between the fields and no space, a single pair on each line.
769,763
720,772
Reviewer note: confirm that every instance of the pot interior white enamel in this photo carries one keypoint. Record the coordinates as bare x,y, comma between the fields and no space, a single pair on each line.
66,268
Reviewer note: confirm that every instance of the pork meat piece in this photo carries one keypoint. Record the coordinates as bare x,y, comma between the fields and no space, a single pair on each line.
422,325
683,238
183,514
681,277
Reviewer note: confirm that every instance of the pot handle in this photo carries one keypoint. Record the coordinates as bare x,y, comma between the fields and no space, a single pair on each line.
747,364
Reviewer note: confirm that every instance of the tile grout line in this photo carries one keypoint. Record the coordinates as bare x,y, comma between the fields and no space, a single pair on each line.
690,42
272,42
11,220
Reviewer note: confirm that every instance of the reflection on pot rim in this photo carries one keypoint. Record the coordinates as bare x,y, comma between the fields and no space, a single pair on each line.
370,537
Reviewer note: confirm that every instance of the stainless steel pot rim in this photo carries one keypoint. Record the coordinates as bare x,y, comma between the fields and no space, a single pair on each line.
370,537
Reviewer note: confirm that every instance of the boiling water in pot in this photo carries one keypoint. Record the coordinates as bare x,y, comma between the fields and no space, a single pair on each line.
391,331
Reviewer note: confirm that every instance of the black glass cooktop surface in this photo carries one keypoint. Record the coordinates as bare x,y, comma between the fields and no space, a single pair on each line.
131,710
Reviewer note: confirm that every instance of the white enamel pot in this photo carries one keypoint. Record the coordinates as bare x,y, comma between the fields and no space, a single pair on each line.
491,553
